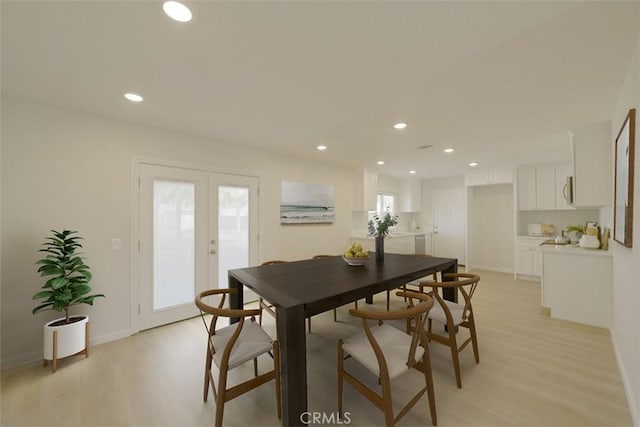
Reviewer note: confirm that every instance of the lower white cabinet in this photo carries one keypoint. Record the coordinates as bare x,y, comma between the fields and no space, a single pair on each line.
576,285
529,257
392,244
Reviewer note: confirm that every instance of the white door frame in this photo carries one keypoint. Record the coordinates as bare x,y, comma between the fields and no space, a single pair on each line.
136,161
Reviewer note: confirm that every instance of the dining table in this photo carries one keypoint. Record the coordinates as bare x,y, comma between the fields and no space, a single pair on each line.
301,289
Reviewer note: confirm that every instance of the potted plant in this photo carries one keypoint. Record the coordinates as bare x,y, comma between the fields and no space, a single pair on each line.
67,286
575,232
379,228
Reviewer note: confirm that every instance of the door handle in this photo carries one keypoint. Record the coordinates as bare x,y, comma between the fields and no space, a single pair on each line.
212,251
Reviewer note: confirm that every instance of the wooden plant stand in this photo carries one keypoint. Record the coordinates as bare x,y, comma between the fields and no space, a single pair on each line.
85,351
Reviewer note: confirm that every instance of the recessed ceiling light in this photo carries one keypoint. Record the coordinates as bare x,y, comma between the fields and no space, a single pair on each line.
177,11
473,164
380,162
321,147
400,125
412,172
133,97
449,150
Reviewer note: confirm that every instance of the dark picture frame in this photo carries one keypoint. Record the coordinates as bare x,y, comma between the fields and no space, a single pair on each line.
623,187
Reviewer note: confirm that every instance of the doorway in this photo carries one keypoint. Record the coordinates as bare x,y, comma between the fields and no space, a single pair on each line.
194,226
449,224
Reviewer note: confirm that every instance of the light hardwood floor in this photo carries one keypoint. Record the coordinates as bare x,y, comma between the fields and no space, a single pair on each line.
533,371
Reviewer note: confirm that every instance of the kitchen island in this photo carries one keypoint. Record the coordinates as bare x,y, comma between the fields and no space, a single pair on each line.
576,284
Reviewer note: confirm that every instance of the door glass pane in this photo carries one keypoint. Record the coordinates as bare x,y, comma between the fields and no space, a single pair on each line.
173,243
233,231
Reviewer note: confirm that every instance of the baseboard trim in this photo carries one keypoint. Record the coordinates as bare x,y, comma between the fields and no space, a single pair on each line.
488,268
36,356
628,391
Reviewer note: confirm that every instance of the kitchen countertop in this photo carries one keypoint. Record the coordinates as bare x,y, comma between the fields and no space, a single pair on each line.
392,235
574,250
536,237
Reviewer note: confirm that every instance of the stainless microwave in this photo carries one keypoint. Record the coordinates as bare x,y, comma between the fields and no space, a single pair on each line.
567,190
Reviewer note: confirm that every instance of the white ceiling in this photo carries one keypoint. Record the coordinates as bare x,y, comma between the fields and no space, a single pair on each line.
501,82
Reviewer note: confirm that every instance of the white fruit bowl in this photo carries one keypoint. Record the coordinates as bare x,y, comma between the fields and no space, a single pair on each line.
355,261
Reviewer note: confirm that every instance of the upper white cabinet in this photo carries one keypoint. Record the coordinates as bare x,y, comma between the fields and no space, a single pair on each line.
536,188
411,195
546,187
540,187
365,191
498,176
527,189
591,158
562,191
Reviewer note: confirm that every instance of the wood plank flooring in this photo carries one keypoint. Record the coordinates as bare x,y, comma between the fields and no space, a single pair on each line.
533,371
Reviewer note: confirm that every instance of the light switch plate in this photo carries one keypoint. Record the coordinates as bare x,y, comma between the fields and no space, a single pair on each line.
116,244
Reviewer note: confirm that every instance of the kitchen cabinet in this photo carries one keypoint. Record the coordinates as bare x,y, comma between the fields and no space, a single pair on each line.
591,160
365,191
411,195
537,188
527,189
562,172
529,258
576,284
498,176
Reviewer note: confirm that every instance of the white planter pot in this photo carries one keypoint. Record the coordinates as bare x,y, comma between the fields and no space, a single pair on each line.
71,338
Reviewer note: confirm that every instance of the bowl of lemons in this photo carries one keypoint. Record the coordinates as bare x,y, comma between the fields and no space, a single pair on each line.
355,255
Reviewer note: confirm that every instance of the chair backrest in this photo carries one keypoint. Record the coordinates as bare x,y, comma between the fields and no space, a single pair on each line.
413,311
219,311
273,262
466,283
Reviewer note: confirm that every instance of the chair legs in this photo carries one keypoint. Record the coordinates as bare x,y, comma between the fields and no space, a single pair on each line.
452,343
221,398
276,362
428,378
340,376
454,356
207,376
474,339
221,393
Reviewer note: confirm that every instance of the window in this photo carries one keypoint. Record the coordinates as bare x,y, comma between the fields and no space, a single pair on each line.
385,202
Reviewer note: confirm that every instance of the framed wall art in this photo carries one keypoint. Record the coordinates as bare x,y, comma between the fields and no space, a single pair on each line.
623,187
306,203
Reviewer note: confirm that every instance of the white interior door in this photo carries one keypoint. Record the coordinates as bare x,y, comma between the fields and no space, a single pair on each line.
449,225
194,226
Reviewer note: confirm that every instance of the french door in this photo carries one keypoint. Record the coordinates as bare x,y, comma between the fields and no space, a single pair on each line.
194,227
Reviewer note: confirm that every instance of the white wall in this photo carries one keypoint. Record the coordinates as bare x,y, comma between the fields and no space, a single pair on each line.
626,262
490,227
66,169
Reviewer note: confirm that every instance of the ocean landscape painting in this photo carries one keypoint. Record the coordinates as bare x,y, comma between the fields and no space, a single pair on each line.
306,204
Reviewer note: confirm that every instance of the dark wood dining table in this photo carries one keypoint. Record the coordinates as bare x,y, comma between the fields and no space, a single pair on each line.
302,289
